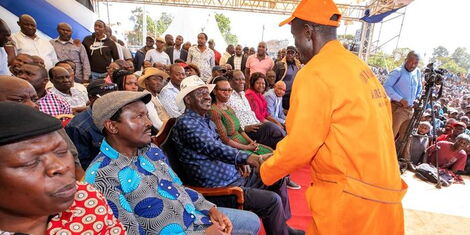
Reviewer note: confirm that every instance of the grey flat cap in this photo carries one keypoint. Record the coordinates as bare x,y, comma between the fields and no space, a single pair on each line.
106,106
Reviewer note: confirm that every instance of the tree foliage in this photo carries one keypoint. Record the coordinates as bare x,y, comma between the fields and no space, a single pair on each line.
457,62
163,23
224,26
154,27
461,57
439,51
383,60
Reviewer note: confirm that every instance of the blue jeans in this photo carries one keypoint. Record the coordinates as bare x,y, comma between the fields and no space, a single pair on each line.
244,222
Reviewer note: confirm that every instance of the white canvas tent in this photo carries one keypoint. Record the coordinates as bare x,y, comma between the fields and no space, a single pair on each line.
189,26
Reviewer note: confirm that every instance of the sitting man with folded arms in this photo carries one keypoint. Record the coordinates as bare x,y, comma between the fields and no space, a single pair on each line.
18,90
144,192
37,180
82,130
208,162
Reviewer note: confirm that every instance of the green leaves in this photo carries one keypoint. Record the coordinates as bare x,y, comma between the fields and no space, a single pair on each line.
224,26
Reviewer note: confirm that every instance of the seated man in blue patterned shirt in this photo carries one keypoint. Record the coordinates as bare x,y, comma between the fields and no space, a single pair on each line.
143,191
210,163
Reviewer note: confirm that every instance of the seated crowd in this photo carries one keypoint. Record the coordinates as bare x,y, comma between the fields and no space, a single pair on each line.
451,123
79,122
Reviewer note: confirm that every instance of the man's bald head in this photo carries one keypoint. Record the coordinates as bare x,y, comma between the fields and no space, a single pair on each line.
311,37
65,31
27,25
4,33
60,77
17,90
280,88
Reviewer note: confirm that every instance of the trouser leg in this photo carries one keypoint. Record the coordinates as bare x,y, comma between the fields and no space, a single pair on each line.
268,134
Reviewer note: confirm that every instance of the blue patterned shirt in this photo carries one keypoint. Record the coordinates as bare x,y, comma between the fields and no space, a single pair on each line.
207,161
145,194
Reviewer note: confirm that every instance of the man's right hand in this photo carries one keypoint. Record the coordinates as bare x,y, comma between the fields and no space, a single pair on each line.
215,229
252,128
404,103
254,160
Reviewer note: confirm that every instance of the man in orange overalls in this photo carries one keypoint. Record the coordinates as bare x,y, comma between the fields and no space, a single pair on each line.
340,123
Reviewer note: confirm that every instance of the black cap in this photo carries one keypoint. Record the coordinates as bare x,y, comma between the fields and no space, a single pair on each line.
20,122
100,87
218,68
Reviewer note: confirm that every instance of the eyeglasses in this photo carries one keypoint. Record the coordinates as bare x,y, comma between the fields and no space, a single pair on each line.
226,90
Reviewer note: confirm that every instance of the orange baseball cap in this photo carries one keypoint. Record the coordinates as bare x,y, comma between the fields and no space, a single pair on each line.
322,12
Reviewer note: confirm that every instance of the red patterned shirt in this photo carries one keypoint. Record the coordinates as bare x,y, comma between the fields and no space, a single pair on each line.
53,105
89,214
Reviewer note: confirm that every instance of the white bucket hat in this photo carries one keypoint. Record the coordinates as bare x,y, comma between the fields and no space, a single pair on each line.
188,85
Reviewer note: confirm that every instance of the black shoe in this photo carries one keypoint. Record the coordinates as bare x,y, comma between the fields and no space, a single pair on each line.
293,231
292,185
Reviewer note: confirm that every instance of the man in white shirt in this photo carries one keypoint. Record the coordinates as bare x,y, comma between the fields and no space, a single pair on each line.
202,56
27,42
158,55
169,91
77,99
4,36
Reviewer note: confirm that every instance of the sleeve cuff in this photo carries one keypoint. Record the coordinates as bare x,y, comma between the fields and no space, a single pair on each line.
241,157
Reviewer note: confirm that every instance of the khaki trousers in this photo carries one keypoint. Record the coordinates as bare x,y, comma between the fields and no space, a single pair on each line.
401,116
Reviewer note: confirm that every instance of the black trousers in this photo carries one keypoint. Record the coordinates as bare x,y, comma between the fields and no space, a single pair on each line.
270,203
268,134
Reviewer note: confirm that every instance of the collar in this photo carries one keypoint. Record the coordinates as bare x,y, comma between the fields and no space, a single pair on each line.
64,42
36,37
171,86
193,114
73,91
406,71
241,93
109,151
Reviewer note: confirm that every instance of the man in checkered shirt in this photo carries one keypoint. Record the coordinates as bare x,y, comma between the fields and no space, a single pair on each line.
48,103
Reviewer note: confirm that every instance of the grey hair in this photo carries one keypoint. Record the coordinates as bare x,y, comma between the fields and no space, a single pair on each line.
462,137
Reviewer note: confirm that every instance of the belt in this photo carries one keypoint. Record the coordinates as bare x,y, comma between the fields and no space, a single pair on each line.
400,105
367,191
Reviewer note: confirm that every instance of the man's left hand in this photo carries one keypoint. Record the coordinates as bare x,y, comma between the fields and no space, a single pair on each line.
222,220
244,170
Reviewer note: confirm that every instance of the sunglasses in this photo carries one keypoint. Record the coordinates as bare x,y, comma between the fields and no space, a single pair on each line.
109,87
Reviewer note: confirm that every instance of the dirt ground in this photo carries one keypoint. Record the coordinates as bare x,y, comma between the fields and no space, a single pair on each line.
432,211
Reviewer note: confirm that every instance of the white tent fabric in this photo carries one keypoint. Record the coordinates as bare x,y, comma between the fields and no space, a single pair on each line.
189,26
